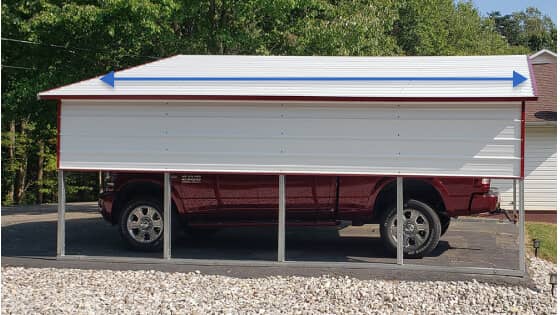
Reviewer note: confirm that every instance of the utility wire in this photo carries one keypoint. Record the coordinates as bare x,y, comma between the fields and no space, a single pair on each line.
71,49
17,67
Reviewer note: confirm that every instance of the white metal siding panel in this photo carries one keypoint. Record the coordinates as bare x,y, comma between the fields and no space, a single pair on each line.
459,139
540,170
317,66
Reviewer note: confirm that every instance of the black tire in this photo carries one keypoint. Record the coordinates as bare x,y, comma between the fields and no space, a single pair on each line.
445,221
433,233
150,244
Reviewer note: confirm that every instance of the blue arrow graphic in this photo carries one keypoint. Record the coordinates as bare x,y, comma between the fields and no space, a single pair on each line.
515,79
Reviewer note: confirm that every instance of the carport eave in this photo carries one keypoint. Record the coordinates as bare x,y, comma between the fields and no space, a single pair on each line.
287,98
274,173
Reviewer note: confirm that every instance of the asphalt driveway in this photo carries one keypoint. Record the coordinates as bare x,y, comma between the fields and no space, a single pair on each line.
29,239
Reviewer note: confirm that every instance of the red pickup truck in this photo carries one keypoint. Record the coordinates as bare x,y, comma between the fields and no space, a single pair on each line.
206,202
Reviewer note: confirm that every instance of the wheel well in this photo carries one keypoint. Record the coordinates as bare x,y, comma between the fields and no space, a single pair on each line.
134,190
412,189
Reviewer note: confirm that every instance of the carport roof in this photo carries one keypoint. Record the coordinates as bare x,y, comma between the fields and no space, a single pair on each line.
313,78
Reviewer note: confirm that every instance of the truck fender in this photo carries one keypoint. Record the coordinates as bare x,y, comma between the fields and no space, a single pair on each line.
146,184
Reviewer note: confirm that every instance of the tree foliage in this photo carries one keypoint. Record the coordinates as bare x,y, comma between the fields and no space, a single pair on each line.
529,28
48,43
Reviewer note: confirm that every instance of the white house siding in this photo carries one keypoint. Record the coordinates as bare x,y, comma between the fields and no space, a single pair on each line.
540,171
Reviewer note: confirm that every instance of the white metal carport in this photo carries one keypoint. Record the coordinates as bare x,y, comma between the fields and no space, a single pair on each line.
394,116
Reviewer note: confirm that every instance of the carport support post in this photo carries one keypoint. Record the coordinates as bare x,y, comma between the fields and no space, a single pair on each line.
521,221
281,218
166,216
400,217
514,195
61,226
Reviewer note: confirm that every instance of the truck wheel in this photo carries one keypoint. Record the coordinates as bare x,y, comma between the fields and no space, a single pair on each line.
141,224
422,229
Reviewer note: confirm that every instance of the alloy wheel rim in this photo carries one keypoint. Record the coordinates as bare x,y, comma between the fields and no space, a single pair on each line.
416,229
144,224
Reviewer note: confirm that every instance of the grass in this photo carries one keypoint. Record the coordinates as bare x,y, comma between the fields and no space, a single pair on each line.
546,233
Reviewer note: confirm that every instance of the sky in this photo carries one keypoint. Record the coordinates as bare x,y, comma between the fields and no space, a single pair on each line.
547,7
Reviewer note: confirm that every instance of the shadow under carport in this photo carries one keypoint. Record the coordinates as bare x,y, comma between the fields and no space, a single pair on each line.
469,242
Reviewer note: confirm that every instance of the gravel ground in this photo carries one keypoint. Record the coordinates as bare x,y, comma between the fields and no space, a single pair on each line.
73,291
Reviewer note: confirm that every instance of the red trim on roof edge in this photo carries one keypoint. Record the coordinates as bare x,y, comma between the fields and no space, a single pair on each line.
532,75
284,98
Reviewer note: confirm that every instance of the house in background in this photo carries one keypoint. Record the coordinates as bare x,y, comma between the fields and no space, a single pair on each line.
540,145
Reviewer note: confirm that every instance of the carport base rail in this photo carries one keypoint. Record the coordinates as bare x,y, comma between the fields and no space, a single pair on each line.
297,264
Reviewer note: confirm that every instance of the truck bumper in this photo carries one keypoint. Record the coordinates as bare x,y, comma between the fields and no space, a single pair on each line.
105,203
485,202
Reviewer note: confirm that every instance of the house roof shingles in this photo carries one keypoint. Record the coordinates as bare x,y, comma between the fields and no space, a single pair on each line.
544,109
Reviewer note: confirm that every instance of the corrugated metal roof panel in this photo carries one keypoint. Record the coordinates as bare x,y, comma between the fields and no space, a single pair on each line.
315,66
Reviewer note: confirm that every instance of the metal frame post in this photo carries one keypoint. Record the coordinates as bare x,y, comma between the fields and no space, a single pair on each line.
400,223
521,222
61,225
281,218
166,216
514,195
100,181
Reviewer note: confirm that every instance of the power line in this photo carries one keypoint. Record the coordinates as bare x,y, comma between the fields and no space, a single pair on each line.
17,67
71,49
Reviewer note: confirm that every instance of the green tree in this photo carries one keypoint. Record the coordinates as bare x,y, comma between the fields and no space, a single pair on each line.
343,28
422,26
471,34
529,28
444,27
49,43
59,43
295,27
